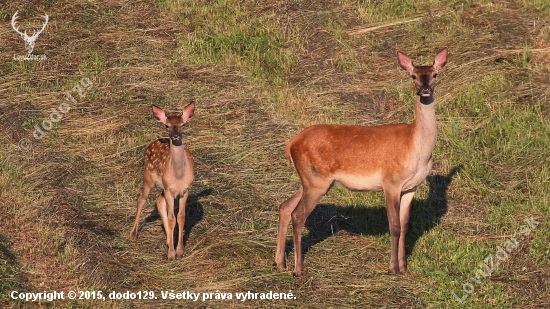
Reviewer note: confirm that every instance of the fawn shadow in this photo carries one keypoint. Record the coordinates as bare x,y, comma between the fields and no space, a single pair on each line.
327,219
193,214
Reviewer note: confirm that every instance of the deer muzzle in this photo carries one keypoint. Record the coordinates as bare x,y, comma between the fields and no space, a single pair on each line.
425,91
176,139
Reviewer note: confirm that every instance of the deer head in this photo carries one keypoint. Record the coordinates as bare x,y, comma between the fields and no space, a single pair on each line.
174,124
29,40
423,76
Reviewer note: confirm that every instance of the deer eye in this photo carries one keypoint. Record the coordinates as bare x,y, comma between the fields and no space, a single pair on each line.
413,76
166,126
435,75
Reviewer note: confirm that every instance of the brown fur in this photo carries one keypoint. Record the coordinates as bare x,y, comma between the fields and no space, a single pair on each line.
170,167
394,158
336,145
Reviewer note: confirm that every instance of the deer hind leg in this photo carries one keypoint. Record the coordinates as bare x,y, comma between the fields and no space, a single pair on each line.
305,206
180,249
404,211
285,212
148,184
393,198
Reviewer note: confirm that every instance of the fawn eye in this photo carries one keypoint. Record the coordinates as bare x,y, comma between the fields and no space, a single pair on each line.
166,126
435,75
413,76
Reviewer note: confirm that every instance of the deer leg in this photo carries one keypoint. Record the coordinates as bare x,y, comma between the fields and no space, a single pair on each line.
309,199
171,222
285,212
404,211
393,197
148,184
161,207
180,250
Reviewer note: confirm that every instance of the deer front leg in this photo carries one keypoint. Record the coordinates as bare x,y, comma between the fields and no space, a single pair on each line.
171,222
404,211
392,207
161,207
180,250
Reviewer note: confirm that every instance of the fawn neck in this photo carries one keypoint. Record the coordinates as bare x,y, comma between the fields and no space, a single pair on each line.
178,161
425,126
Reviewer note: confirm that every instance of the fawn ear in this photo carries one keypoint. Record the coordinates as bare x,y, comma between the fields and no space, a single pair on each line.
188,112
440,59
405,62
159,114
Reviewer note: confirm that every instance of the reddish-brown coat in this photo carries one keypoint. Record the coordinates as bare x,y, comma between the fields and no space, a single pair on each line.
332,149
170,166
157,154
395,158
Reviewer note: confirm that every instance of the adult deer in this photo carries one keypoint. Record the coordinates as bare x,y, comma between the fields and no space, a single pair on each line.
394,158
170,166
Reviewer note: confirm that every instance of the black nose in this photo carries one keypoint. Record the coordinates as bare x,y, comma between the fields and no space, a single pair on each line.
176,139
425,90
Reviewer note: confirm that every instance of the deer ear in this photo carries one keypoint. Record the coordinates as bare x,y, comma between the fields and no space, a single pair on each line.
405,62
188,112
159,114
441,59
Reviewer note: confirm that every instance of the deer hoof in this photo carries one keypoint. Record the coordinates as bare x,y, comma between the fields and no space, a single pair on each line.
299,273
279,267
180,251
171,255
393,270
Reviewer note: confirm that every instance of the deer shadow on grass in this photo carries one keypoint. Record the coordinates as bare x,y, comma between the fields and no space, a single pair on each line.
327,219
193,214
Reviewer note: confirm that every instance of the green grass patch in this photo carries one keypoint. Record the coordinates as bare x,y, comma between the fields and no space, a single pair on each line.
10,271
230,32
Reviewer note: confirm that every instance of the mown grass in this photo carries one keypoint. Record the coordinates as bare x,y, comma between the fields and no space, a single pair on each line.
260,72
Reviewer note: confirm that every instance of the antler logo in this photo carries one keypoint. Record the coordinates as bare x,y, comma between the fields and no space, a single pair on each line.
29,40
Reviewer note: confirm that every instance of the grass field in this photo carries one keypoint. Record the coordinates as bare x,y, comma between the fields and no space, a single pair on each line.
260,72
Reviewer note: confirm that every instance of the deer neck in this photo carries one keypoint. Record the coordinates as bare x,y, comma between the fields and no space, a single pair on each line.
425,126
178,161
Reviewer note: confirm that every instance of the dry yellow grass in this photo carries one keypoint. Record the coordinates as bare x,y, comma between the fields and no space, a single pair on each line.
68,202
